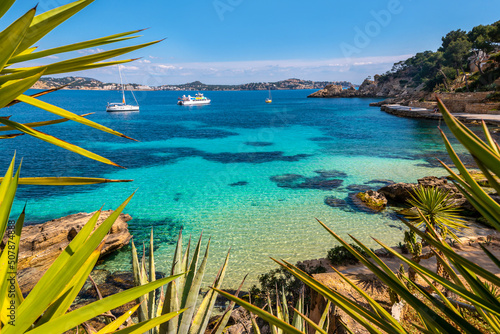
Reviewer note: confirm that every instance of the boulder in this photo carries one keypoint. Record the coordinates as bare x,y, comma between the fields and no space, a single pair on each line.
41,244
397,192
373,200
401,192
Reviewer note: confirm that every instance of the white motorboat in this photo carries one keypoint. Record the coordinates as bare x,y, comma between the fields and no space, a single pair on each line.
189,100
122,106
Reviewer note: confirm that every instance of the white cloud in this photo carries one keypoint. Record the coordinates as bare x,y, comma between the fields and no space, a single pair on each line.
236,72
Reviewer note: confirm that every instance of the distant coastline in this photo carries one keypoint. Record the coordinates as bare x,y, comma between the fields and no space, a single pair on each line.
82,83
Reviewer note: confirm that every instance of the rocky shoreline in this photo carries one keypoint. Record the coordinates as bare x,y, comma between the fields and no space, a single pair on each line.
41,244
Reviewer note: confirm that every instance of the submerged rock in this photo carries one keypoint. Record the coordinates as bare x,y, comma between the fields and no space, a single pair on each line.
239,183
41,244
297,181
335,202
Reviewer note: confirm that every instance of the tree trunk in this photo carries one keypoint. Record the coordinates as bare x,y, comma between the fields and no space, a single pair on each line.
466,81
445,80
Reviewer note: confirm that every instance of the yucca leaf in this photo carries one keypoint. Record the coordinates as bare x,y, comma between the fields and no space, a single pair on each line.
468,181
171,302
152,278
5,5
82,67
360,257
7,198
491,179
76,317
60,273
323,321
12,36
12,90
452,314
271,319
255,327
20,74
182,280
147,325
458,259
286,316
363,316
44,23
84,62
136,269
11,136
4,185
44,123
115,324
462,292
489,139
374,304
58,142
191,274
65,181
76,46
194,289
492,257
62,304
224,319
8,268
200,320
470,141
42,93
310,322
297,321
66,114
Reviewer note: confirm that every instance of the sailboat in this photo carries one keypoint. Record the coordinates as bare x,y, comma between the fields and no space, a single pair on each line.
122,106
269,99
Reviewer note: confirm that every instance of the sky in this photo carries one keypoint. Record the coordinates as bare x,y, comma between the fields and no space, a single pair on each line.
241,41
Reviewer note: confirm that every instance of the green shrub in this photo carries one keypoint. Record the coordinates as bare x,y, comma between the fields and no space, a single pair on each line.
339,255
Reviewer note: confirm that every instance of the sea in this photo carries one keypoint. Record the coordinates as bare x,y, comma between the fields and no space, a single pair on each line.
252,177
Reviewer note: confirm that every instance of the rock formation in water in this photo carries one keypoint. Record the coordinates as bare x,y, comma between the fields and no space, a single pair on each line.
41,244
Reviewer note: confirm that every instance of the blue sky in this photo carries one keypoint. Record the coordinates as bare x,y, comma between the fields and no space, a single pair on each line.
239,41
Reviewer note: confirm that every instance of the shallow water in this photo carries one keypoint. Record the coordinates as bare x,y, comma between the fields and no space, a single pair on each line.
252,176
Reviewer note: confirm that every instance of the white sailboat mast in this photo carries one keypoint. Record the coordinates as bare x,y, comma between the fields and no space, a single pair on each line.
121,83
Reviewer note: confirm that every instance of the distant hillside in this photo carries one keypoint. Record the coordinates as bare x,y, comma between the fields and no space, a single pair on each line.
83,83
465,62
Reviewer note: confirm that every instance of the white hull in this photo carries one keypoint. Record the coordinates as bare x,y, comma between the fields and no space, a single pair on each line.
122,108
193,103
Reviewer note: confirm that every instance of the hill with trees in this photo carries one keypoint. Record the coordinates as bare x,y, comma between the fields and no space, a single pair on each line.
467,61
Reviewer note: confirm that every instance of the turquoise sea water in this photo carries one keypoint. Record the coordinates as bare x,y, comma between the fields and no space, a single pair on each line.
252,176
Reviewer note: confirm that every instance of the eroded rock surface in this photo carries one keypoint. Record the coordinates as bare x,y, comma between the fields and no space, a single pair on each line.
41,244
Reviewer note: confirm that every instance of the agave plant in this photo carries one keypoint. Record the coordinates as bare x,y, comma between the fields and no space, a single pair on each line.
474,287
182,293
438,209
46,309
16,48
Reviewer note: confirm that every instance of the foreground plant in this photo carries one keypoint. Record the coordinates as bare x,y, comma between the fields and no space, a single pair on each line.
46,309
17,47
474,287
182,293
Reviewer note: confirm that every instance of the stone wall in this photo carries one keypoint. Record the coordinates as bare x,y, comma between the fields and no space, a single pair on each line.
483,108
457,102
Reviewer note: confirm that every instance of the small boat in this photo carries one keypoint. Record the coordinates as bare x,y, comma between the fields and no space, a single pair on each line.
269,99
198,99
122,106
